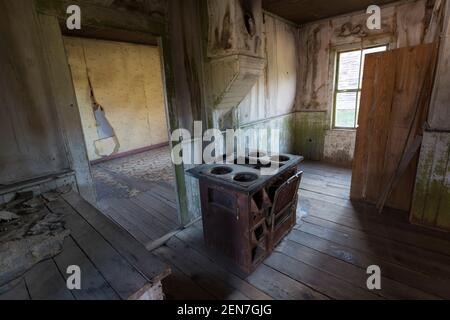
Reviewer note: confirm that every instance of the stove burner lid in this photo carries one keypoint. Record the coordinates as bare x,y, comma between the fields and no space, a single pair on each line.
246,177
221,171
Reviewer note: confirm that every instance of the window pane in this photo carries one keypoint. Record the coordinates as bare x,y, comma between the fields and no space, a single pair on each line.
345,109
349,67
369,51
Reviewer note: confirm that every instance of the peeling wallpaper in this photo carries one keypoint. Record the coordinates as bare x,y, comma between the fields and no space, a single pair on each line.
403,24
127,82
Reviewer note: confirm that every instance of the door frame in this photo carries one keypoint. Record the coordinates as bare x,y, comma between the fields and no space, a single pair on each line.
120,26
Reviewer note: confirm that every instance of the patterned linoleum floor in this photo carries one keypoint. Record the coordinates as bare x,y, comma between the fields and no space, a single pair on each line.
130,176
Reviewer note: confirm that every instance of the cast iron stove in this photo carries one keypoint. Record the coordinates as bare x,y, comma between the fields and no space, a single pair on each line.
246,214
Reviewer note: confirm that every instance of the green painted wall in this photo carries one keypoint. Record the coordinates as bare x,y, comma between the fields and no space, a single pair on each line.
431,204
301,133
309,134
286,126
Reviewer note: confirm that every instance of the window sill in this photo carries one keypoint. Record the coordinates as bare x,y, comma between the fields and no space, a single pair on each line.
343,129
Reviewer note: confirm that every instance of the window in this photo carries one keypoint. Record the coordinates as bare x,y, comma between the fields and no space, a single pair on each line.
349,75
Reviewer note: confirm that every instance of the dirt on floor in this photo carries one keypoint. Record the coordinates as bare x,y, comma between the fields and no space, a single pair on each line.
127,177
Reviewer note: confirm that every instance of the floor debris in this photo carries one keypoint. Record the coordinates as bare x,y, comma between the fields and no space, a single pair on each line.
6,216
29,233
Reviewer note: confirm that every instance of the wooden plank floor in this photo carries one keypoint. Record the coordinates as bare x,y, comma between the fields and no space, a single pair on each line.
149,214
113,264
325,257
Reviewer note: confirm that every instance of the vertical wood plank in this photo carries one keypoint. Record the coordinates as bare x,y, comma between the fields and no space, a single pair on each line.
362,140
381,111
443,219
434,189
31,146
423,177
66,103
431,205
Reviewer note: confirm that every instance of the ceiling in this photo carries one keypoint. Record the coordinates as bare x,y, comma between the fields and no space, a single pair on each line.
304,11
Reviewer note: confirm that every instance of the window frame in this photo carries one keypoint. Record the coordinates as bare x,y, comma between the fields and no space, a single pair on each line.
358,91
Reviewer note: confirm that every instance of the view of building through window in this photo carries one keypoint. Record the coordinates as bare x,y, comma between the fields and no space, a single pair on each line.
350,67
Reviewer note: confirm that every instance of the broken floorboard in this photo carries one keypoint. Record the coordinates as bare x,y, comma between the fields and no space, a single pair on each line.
113,264
325,257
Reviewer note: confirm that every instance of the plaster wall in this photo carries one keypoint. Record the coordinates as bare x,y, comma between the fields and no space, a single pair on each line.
127,83
403,24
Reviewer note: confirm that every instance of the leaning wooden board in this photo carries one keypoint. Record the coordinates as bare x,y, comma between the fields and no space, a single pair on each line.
394,106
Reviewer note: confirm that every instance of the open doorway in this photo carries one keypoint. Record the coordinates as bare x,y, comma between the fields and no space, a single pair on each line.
120,93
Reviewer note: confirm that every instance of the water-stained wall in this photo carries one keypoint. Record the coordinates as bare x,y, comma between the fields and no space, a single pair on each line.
403,24
274,94
297,84
431,205
127,82
271,102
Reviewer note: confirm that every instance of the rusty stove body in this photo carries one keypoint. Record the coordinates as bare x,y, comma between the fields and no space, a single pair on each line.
246,214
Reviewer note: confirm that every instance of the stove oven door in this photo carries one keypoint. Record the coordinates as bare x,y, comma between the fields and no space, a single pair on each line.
283,214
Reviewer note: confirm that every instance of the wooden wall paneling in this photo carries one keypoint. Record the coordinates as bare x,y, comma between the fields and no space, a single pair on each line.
401,83
108,15
184,63
309,134
274,94
410,19
66,104
443,215
424,171
439,117
32,144
431,205
437,180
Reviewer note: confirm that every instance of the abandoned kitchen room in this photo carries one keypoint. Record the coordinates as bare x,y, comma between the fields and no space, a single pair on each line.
225,150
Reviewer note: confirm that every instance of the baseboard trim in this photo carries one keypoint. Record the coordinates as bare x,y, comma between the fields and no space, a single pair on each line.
129,153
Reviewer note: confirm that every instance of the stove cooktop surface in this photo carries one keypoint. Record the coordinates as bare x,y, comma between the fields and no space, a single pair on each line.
245,174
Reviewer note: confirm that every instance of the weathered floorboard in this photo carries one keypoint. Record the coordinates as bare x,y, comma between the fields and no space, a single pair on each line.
327,255
135,254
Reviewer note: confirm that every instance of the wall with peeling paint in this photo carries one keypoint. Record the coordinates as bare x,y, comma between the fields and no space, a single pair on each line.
48,85
274,94
127,83
271,102
403,24
340,146
299,75
185,61
431,205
